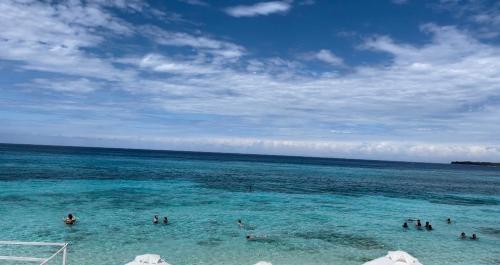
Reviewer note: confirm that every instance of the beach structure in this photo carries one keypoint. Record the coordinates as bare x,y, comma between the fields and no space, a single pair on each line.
61,250
148,259
395,258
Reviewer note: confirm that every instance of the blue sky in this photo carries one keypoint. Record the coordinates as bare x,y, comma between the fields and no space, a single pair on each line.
380,79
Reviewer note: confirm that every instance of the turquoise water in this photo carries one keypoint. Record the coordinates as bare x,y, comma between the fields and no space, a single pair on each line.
307,210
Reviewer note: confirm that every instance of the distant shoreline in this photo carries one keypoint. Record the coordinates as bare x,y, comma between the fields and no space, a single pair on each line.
486,164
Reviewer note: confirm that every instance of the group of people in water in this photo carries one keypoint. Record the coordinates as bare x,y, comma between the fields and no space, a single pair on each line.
464,236
250,237
241,225
428,226
156,220
418,225
71,219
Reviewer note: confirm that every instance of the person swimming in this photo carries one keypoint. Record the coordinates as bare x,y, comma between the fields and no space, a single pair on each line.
261,238
473,237
429,227
70,219
419,225
463,236
155,219
448,221
165,220
240,223
405,225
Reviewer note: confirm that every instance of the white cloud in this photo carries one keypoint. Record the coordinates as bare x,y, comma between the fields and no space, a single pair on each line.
483,15
431,86
204,43
259,9
328,57
55,40
81,85
160,63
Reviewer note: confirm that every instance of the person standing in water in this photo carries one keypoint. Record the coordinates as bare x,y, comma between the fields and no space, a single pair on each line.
405,225
155,219
165,220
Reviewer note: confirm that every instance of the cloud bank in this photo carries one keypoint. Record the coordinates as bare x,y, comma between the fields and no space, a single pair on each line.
259,9
379,150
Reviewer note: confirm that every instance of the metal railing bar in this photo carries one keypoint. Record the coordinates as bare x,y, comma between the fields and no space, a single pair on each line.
64,247
55,254
31,243
29,259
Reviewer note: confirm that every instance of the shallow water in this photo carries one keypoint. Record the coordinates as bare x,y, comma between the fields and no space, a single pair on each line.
304,210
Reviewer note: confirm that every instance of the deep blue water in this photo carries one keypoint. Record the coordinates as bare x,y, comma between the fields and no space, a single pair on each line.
311,210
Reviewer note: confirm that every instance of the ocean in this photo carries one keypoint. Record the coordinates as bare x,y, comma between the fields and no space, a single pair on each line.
302,210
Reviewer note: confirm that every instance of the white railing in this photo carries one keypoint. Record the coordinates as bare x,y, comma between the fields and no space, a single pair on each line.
42,261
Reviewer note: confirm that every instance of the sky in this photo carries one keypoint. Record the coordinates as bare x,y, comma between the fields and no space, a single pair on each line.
408,80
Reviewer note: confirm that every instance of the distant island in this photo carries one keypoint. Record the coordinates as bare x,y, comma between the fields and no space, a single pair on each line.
487,164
